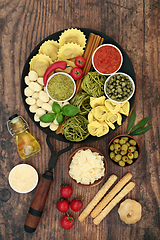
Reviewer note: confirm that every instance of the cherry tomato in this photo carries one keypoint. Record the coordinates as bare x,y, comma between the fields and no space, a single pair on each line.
76,205
67,222
62,205
66,190
76,73
80,61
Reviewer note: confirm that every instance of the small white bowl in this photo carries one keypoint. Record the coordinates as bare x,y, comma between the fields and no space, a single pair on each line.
102,46
131,80
23,178
61,73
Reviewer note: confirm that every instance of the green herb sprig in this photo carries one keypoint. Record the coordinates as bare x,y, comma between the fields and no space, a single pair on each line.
59,113
139,128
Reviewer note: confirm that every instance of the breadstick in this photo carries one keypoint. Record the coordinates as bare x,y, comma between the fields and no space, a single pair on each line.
111,195
97,197
113,203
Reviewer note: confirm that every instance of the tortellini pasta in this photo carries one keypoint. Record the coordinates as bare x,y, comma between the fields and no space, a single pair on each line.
104,114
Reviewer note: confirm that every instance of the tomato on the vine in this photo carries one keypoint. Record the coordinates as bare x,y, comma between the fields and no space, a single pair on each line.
62,205
76,205
80,61
66,190
76,73
67,222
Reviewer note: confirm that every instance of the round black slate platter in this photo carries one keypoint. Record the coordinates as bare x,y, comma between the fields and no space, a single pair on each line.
126,68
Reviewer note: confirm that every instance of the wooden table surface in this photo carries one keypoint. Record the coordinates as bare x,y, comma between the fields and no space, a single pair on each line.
135,26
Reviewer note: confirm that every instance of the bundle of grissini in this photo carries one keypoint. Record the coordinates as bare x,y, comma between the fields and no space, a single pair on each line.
99,209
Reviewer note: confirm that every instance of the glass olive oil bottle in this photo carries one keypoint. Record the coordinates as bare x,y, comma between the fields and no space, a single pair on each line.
27,145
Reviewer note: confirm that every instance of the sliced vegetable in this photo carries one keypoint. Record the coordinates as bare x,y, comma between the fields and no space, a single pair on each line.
76,73
80,61
60,64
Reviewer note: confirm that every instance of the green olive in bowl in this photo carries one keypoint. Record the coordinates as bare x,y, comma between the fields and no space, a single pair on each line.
123,150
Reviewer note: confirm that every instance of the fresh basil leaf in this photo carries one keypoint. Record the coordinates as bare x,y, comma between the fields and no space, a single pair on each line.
60,118
131,120
56,107
141,131
48,117
70,110
140,124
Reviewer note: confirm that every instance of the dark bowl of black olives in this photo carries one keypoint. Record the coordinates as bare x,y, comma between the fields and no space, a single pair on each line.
123,150
119,87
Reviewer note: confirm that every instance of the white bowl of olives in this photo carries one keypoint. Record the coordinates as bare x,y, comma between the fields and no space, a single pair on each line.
123,150
119,87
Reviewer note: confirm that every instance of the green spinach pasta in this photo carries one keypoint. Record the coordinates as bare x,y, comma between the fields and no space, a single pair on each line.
82,101
75,128
93,84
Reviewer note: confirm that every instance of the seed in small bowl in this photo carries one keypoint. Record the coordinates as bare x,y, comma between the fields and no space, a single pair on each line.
123,150
119,87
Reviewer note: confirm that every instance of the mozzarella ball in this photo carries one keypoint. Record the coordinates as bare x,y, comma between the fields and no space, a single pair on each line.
30,101
28,91
47,107
43,96
35,86
33,75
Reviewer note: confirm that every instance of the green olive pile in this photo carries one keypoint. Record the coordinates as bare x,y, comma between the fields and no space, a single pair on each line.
123,151
119,87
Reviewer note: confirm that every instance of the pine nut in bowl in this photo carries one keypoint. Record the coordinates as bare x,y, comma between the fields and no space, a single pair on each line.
107,59
119,87
60,87
87,167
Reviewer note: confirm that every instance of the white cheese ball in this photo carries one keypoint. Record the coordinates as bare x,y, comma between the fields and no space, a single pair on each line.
35,86
28,91
36,118
40,81
43,96
42,124
53,126
47,107
39,102
30,101
33,75
27,81
35,95
33,108
40,111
